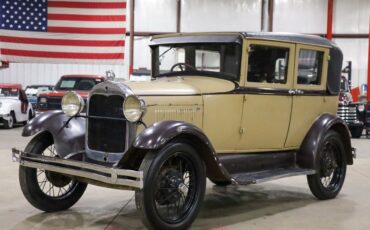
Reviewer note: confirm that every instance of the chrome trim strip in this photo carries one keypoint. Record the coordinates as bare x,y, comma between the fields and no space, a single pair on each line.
85,170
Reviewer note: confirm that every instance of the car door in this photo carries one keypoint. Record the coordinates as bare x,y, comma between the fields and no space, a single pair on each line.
267,99
310,99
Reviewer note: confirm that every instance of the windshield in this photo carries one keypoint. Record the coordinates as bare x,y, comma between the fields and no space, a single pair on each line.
9,92
34,90
77,83
219,60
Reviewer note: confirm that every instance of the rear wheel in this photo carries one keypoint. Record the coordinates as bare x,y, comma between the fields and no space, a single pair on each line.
46,190
174,187
332,166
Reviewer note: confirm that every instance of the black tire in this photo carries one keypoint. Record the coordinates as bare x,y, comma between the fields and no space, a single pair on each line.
332,166
181,172
30,116
10,123
356,132
69,191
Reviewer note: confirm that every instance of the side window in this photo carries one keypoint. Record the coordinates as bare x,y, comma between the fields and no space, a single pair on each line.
268,64
310,67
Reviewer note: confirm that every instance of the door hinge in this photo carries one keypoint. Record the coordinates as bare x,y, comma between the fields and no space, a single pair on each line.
242,130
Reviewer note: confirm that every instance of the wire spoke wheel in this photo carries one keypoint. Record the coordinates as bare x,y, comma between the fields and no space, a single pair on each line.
46,190
329,179
53,184
174,186
175,191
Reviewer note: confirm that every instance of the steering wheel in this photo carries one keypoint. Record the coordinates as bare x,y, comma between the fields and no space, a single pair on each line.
181,65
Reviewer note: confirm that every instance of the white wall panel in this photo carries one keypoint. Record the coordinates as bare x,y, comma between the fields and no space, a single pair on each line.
351,16
300,16
27,74
142,55
220,15
355,50
155,15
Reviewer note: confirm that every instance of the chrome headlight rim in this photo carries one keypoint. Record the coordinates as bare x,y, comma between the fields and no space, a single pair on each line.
72,104
361,107
134,115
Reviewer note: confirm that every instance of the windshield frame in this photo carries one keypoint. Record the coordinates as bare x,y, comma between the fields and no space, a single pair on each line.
222,75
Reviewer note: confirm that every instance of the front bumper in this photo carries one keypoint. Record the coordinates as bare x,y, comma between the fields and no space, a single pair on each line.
102,174
4,117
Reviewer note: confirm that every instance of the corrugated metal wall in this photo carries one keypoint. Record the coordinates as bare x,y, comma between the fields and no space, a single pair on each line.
220,15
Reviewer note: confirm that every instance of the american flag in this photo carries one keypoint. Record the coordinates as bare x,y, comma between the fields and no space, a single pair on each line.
63,31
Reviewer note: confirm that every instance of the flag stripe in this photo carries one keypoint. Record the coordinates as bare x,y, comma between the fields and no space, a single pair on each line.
69,55
67,42
88,5
81,11
85,24
76,17
65,49
87,30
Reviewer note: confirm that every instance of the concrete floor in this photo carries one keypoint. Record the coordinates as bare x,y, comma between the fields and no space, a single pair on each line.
281,204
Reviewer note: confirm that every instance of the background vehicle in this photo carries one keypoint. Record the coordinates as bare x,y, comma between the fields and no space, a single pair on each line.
82,84
201,116
14,106
353,113
33,90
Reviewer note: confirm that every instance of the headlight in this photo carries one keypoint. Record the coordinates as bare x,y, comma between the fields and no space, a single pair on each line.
133,108
361,108
72,104
43,100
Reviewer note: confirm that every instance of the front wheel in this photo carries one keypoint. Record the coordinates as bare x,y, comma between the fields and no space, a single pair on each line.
174,187
46,190
356,132
332,166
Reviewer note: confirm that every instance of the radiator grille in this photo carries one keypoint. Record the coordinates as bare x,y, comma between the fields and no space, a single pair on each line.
105,132
347,113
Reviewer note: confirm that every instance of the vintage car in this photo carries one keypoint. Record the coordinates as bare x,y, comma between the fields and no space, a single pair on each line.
32,91
80,83
14,106
353,113
237,108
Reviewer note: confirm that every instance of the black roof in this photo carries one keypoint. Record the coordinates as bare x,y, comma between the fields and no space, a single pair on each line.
229,37
290,37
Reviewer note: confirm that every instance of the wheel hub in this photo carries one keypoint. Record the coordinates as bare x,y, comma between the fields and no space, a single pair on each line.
329,164
172,187
57,179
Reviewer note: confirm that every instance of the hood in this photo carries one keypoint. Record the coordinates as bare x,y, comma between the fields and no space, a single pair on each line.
189,85
60,93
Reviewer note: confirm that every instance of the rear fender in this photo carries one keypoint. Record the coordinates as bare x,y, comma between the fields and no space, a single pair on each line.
67,139
306,157
162,133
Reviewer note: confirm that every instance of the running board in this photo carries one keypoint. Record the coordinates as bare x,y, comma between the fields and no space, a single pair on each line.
267,175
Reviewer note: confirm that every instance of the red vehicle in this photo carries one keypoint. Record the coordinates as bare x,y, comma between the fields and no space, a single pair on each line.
80,83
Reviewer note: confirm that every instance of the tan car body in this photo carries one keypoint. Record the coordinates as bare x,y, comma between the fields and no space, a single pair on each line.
239,122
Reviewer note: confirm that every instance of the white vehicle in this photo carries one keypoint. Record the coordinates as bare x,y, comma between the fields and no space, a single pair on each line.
14,105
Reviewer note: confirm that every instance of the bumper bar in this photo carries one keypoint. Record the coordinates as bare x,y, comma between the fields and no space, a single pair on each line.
107,175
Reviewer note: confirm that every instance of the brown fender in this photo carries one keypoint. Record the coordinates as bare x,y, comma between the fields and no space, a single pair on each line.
306,157
67,139
162,133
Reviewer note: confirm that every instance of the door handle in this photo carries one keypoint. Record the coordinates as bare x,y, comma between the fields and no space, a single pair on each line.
295,92
298,91
292,92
